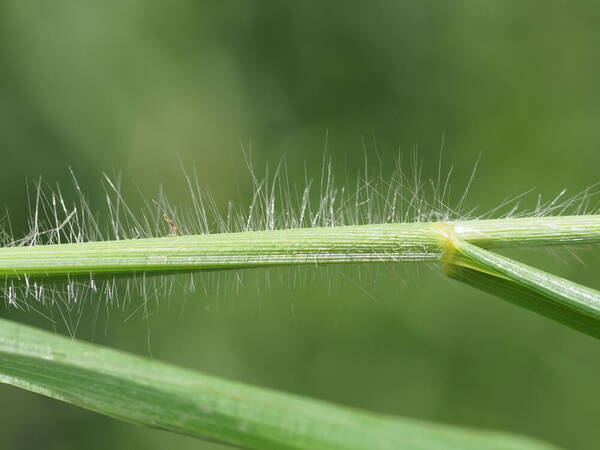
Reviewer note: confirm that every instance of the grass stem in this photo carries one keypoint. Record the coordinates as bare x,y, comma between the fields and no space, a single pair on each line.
414,242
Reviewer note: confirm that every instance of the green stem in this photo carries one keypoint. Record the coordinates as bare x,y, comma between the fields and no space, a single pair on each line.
327,245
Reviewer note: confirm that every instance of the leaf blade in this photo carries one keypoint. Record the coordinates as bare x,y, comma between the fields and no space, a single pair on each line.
559,299
154,394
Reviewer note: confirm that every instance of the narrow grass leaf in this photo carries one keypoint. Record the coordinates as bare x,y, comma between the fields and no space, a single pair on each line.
562,300
155,394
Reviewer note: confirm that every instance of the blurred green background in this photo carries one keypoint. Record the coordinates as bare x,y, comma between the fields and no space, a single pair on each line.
129,85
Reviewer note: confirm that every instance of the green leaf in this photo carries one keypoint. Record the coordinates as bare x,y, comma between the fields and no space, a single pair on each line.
155,394
562,300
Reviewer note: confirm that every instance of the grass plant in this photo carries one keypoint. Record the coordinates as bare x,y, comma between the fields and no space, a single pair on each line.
150,393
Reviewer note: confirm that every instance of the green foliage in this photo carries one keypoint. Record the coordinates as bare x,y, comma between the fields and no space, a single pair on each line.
150,393
559,299
132,85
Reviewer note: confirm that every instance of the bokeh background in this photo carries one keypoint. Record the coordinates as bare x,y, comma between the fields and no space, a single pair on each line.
134,85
